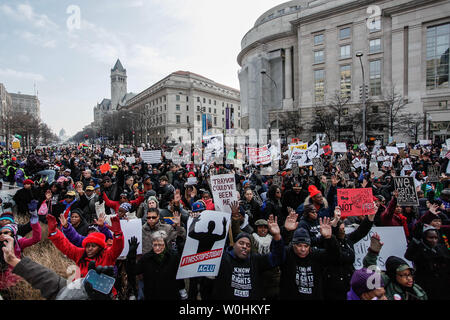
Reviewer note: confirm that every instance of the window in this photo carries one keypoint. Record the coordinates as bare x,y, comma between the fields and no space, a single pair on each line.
177,97
209,101
438,40
215,111
318,56
198,108
209,110
280,12
319,85
187,107
178,107
187,119
198,99
374,109
346,81
215,102
178,118
198,117
215,121
204,100
374,45
187,98
318,39
344,33
375,77
375,24
346,51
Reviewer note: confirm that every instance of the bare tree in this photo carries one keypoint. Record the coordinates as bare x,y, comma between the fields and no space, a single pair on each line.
394,106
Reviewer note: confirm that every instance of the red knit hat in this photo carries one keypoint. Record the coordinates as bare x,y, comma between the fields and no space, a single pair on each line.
28,181
191,174
95,237
313,190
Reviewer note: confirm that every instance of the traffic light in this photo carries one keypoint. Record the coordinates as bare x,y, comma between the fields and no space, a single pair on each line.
361,91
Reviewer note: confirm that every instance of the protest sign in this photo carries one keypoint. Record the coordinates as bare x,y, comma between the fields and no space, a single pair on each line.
214,149
355,202
339,147
447,142
373,167
363,147
295,169
401,145
191,181
131,228
414,152
130,160
204,245
151,156
356,163
425,142
277,180
433,173
407,193
345,166
407,164
318,166
392,150
327,150
105,168
394,240
16,144
259,156
168,155
126,150
140,149
224,191
302,146
108,152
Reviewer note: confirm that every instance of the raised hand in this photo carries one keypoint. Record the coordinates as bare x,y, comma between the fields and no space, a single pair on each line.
8,251
274,229
176,218
48,194
32,206
291,224
234,207
51,223
434,209
133,244
325,227
337,216
115,225
101,220
395,193
63,220
375,243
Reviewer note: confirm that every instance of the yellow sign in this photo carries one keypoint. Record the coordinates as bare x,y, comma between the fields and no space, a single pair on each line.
16,145
298,146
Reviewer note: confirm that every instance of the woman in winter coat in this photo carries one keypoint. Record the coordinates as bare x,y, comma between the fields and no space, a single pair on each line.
250,206
7,278
78,222
432,263
339,274
94,246
273,206
393,216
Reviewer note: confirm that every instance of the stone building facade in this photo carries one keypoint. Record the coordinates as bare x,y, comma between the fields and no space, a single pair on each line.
27,104
301,54
5,108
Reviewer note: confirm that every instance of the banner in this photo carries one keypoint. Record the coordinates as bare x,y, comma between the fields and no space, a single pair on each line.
259,156
355,202
224,191
204,246
339,147
407,193
214,150
151,156
395,244
131,228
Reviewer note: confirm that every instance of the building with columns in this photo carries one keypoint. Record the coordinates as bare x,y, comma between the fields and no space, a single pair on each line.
183,102
26,103
300,54
5,108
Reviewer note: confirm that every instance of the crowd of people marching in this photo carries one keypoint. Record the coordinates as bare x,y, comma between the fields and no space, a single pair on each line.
287,239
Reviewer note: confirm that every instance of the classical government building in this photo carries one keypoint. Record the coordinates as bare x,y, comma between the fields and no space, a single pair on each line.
182,102
301,54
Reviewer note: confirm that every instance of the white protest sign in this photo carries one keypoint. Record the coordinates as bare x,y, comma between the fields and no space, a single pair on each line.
191,181
224,191
356,163
339,147
363,147
214,149
130,160
425,142
392,150
205,241
131,228
447,142
140,149
394,245
108,152
259,156
151,157
401,145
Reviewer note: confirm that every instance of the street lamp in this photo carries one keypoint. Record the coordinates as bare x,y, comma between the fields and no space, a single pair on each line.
359,54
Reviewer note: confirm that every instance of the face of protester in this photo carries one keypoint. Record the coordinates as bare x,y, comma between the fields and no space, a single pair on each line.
431,238
341,231
379,293
92,249
152,219
301,249
437,223
130,181
152,204
89,192
54,189
122,213
242,248
398,210
262,231
75,219
158,246
249,195
162,183
27,186
312,215
297,189
405,278
107,183
123,199
318,198
87,174
278,194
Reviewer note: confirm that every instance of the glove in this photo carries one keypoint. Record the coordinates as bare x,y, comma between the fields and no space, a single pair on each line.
7,205
133,244
115,225
51,222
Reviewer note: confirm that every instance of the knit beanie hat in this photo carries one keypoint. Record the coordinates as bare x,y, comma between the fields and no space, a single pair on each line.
191,174
95,237
153,198
7,216
427,219
313,190
361,279
150,193
242,235
28,181
394,265
301,235
198,206
11,227
126,206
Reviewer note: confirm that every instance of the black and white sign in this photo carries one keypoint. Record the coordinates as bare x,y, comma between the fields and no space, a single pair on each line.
151,157
433,173
407,193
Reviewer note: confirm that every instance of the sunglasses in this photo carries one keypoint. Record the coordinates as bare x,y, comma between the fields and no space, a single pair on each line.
152,218
148,184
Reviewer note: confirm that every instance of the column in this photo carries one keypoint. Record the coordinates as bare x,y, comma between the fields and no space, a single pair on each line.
287,102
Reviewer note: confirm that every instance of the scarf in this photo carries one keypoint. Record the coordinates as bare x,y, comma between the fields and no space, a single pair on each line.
262,243
404,221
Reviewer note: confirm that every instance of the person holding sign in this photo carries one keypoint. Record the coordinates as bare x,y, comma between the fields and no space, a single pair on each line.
393,215
399,276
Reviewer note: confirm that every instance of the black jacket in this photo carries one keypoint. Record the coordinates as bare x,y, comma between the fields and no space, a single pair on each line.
302,278
23,197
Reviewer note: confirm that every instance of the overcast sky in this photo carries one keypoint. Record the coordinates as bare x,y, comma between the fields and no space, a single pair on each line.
153,38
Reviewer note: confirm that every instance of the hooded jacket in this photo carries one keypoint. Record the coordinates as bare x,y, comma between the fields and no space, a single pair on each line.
323,211
172,235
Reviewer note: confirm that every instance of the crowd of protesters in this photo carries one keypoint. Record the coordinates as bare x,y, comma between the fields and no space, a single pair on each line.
288,239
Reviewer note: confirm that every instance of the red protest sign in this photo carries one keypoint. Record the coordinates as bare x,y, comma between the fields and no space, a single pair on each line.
327,150
105,168
355,202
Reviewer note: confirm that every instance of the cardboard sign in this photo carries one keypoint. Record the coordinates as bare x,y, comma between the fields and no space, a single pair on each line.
131,228
151,157
203,250
355,202
433,173
414,152
407,193
277,180
224,191
394,240
339,147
